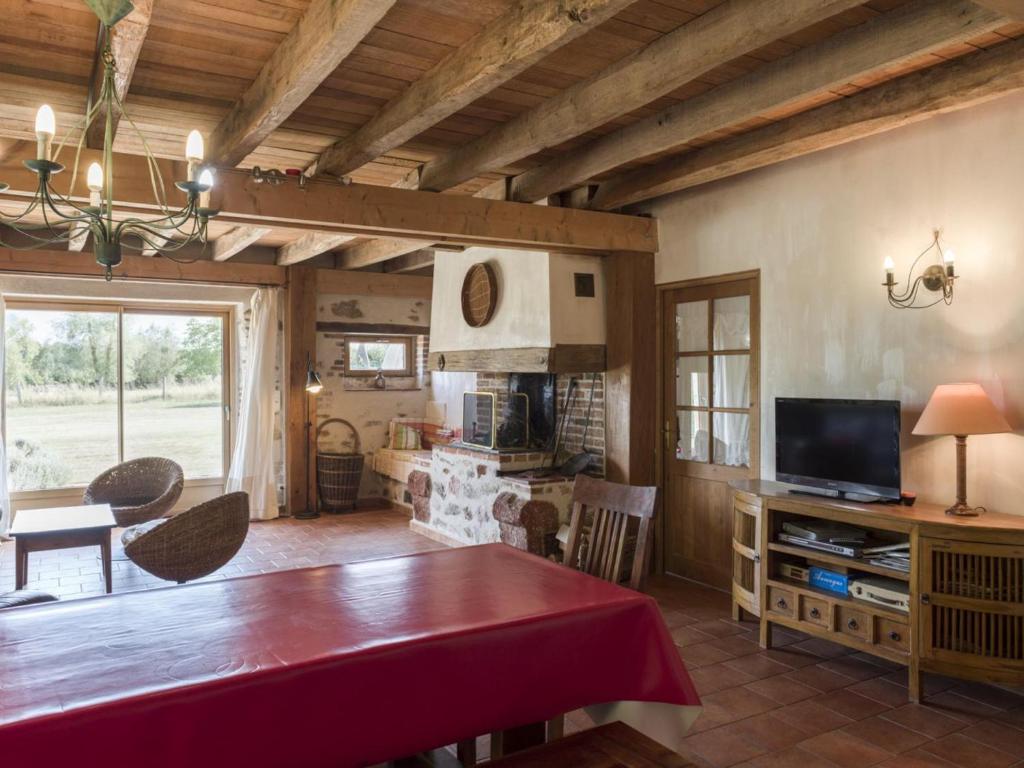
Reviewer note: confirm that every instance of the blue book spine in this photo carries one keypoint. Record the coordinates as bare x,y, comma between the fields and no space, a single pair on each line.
829,580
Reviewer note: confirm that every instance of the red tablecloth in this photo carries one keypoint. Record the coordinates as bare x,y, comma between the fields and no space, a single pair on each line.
332,666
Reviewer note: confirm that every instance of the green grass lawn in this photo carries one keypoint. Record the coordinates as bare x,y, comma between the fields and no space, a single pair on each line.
84,437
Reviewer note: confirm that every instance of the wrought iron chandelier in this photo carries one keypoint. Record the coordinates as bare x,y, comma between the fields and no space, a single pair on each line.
936,278
51,218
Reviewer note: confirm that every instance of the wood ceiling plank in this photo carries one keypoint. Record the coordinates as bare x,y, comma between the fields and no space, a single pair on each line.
1011,9
886,41
503,49
954,85
710,40
323,36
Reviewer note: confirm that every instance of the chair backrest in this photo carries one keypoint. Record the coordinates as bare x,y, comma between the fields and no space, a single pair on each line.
609,507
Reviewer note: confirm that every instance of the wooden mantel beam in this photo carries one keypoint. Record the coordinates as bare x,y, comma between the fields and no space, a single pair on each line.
712,39
364,210
126,40
503,49
324,35
956,84
888,40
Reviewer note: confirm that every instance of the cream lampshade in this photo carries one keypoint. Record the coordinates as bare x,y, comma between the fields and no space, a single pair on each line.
961,410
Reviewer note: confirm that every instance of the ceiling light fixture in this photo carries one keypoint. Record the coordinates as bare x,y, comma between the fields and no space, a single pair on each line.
51,218
937,277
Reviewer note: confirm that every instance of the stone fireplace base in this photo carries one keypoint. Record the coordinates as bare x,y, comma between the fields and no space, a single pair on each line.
475,500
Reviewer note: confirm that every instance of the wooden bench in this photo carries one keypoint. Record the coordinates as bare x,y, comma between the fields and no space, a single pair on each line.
615,745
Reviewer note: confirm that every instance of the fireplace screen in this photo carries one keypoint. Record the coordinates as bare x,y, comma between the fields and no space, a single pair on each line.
488,424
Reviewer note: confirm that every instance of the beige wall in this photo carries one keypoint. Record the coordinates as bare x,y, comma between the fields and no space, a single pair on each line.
819,228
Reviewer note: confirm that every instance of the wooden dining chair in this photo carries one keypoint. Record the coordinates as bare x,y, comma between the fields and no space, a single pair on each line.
608,508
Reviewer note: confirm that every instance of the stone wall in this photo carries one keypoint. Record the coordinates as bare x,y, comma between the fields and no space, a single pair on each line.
466,483
354,398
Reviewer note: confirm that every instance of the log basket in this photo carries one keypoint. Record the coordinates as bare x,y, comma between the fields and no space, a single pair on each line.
338,474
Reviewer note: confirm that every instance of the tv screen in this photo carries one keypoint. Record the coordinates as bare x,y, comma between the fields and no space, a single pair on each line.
848,446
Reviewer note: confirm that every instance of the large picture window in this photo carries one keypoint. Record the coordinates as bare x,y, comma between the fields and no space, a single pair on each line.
88,386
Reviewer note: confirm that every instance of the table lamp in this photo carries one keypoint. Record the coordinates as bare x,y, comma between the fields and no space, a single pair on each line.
961,410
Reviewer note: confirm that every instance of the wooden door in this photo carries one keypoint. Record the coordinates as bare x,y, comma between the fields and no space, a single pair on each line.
710,420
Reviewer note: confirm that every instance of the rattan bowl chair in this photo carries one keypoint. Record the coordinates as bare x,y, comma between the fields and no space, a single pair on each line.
139,490
192,544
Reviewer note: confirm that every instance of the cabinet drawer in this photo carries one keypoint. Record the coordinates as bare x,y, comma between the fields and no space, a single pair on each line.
855,623
814,611
781,601
893,635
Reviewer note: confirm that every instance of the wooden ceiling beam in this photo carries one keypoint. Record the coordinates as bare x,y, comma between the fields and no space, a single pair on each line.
410,262
712,39
502,50
67,263
308,246
1011,9
376,251
237,240
359,209
892,39
79,232
126,39
954,85
325,34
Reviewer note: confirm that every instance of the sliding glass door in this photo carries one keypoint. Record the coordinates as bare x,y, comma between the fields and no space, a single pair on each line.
90,385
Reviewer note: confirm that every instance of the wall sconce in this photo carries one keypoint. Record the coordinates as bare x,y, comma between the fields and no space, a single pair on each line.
937,278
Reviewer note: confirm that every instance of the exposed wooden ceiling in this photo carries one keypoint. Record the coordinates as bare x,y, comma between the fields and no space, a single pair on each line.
604,101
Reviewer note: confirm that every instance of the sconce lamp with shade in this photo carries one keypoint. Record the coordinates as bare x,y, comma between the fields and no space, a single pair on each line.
936,278
313,387
961,410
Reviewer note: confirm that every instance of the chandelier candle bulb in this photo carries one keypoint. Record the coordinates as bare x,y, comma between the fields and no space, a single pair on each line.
94,180
889,269
194,151
46,128
206,179
948,258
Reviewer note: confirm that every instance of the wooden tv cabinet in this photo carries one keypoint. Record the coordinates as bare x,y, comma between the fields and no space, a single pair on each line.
966,584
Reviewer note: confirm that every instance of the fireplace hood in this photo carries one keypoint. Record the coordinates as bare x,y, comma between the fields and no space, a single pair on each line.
549,316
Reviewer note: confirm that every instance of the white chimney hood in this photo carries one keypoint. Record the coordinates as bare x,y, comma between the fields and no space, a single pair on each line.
549,317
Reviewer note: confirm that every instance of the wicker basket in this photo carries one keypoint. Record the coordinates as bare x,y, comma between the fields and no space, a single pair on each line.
338,474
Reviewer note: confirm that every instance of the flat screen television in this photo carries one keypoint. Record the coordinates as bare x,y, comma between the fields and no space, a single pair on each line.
839,446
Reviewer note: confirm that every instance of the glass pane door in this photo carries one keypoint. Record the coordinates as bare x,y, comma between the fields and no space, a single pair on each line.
713,387
62,386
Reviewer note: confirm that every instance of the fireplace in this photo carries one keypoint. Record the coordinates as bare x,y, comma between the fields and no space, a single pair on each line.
486,425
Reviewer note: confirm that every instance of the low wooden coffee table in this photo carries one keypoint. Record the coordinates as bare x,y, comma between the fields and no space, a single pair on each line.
37,530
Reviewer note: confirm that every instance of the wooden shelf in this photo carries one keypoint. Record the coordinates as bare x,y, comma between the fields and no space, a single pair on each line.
803,586
846,562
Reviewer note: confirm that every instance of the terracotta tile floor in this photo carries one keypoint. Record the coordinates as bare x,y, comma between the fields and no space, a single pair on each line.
807,703
270,545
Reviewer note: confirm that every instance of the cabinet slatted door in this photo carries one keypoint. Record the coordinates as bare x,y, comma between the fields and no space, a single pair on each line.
746,541
972,598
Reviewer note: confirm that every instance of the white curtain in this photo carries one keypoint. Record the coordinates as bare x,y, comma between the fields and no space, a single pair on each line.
252,460
5,494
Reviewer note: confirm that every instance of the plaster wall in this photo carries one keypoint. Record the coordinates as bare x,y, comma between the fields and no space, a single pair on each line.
819,228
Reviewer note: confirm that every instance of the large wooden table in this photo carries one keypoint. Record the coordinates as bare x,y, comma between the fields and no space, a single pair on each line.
39,530
333,666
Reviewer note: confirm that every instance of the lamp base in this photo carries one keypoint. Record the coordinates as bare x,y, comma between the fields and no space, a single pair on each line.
306,514
963,510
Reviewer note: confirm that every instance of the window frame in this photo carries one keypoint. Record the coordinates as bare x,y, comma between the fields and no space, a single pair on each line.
410,351
120,308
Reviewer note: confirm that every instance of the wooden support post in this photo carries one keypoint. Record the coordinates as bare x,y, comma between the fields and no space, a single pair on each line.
300,346
630,381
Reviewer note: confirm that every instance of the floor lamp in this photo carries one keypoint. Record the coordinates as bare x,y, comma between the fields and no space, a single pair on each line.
313,387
